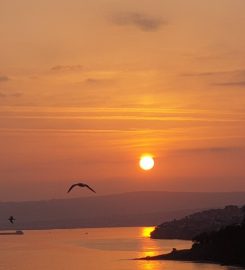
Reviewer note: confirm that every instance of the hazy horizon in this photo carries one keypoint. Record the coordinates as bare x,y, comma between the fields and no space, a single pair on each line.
125,209
78,195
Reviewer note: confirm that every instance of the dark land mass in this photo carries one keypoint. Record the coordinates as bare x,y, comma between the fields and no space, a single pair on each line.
12,233
127,209
224,246
194,224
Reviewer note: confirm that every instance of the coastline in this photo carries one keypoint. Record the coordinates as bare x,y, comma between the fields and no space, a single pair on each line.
188,255
18,232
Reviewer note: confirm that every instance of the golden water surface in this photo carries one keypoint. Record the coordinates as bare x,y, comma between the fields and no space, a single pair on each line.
90,249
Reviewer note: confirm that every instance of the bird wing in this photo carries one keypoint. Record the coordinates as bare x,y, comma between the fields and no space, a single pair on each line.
90,188
11,220
71,187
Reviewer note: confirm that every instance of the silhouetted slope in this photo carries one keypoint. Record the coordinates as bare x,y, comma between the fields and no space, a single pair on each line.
128,209
225,246
205,221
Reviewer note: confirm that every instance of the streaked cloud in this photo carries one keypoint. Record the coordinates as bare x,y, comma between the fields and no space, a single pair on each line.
4,78
118,113
4,95
98,81
65,68
232,83
18,94
92,81
142,21
237,72
230,78
211,150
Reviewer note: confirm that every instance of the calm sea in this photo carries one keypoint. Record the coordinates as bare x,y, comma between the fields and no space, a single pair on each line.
90,249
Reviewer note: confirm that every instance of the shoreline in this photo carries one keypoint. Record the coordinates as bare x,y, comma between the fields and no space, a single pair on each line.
187,255
18,232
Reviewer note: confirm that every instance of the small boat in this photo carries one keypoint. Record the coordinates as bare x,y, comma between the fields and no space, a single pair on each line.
19,232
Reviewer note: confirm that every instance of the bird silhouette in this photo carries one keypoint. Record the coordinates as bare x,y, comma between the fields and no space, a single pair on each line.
80,185
11,219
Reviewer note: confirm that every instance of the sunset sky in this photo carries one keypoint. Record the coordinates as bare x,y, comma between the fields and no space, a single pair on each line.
87,87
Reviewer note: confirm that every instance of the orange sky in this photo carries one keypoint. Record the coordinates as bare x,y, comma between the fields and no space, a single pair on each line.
86,87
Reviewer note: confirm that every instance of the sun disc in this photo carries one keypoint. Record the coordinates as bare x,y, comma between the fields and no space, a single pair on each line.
146,163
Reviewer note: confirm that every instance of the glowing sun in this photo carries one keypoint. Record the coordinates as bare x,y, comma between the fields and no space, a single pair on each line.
146,162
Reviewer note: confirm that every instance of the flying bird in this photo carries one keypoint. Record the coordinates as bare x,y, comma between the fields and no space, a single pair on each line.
11,219
80,185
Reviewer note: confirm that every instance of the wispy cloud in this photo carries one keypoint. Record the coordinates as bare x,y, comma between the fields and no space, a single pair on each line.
133,114
141,21
230,78
18,94
98,81
92,81
201,74
4,95
155,125
65,68
4,78
236,72
232,83
212,150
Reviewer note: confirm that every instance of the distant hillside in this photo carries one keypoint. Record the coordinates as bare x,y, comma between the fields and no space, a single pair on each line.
128,209
192,225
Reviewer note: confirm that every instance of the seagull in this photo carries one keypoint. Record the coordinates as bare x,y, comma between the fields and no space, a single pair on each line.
80,185
11,219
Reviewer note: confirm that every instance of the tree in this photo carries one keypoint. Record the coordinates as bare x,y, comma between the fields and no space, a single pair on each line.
243,210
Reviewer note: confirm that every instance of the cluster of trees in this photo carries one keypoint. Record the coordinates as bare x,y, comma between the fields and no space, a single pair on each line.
226,245
197,223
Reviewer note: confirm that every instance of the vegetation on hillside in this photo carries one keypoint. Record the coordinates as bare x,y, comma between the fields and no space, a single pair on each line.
225,246
192,225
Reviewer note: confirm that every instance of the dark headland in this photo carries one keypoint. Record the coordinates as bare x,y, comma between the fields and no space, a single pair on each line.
12,233
225,246
204,221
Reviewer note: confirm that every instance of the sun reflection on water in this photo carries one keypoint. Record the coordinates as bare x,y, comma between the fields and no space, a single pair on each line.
149,246
146,231
147,266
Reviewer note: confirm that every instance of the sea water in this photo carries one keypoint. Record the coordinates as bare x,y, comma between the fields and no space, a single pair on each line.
91,249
